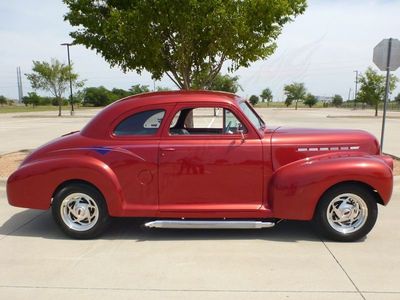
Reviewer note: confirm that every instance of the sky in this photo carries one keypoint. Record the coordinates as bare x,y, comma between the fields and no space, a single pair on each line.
322,48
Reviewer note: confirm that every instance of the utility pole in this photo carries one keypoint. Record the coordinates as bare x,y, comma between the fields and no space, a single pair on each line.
355,91
70,79
348,98
19,82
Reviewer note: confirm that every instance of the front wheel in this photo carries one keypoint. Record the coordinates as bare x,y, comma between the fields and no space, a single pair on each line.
346,213
80,211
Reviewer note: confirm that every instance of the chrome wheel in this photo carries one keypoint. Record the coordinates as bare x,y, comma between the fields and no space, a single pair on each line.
347,213
79,212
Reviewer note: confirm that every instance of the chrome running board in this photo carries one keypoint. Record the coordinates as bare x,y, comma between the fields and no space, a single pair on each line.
195,224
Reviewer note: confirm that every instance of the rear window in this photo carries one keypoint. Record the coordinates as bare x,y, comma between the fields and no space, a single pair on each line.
143,123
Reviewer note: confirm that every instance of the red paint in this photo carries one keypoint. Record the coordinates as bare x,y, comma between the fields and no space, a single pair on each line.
273,173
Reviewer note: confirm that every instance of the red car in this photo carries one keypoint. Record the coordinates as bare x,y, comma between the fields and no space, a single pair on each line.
198,159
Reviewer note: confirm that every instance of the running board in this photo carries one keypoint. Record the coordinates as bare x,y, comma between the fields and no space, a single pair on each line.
195,224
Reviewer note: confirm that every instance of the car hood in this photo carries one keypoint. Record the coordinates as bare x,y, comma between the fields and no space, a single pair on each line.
290,144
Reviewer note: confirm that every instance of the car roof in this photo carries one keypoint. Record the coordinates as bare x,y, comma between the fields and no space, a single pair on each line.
99,125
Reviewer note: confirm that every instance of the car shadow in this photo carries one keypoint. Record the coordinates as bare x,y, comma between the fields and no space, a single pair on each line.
31,223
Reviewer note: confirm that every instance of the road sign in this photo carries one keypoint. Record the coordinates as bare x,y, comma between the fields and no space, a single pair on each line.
381,54
387,58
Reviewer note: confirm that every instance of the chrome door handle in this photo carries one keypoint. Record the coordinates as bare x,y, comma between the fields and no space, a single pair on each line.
168,149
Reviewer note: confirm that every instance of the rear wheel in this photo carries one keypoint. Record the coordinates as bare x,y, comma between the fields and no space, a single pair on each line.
80,211
346,213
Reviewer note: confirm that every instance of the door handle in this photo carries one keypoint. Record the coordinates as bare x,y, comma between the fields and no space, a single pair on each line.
168,149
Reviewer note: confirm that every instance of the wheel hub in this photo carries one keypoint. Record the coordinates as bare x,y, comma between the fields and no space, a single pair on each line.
347,213
79,212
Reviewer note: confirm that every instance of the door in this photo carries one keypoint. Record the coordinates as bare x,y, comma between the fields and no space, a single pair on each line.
215,163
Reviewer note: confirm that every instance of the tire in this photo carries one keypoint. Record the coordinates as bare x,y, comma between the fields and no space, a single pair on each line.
346,213
80,211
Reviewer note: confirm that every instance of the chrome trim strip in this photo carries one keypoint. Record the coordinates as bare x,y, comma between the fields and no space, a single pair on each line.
195,224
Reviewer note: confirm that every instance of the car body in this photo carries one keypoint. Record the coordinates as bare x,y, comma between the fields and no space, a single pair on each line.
205,157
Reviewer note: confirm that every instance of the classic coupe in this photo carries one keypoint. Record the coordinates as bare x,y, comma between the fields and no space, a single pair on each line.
200,159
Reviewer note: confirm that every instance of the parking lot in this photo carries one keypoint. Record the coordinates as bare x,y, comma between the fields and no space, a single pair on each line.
289,261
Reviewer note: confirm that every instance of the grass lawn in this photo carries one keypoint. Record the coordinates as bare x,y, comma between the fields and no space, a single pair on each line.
282,105
17,109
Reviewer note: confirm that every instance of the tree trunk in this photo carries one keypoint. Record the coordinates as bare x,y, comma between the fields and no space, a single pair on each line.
296,104
376,109
59,107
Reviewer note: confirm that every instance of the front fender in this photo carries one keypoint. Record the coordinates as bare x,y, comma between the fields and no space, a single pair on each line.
295,189
33,184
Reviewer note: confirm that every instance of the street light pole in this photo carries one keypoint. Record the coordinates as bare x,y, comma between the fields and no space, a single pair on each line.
355,91
70,79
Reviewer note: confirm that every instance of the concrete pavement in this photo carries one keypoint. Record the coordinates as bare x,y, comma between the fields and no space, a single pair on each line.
287,262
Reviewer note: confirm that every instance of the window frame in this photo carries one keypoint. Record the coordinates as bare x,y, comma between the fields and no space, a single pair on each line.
166,108
250,134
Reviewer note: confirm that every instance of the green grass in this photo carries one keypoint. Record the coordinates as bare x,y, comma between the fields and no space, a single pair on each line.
21,109
282,105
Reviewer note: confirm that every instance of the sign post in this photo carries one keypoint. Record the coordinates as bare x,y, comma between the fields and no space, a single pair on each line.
387,58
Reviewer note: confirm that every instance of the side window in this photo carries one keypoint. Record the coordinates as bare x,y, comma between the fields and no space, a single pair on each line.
205,120
142,123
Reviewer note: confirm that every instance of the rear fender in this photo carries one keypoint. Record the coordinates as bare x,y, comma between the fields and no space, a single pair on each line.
34,183
295,189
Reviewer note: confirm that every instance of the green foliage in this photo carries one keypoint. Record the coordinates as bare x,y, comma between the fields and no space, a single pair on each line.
225,83
97,96
294,92
162,89
337,100
397,98
187,40
266,95
310,100
120,93
101,96
32,99
53,77
138,89
3,100
253,100
372,90
35,100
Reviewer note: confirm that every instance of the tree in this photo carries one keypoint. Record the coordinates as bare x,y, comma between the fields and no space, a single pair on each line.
3,100
53,77
294,92
397,98
225,83
310,100
266,95
372,89
337,100
189,41
96,96
138,89
32,98
162,89
120,93
253,100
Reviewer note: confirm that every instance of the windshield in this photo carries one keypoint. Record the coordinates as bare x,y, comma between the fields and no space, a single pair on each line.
252,115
